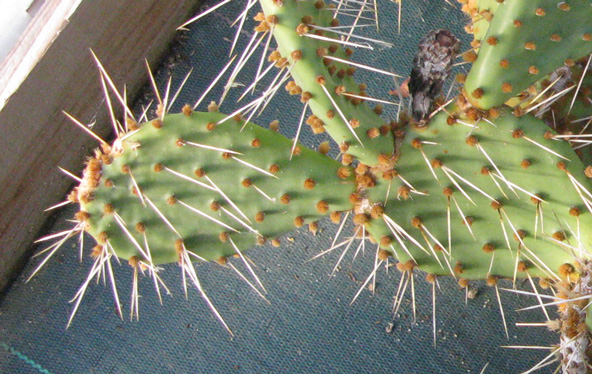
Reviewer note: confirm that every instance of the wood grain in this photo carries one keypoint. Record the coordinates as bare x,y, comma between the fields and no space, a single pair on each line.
35,136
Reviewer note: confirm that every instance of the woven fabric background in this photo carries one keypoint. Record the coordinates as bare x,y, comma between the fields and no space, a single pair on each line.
309,325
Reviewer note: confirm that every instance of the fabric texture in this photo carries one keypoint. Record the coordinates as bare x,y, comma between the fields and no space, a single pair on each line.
308,326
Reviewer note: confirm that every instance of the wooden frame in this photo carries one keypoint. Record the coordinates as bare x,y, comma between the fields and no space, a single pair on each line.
51,70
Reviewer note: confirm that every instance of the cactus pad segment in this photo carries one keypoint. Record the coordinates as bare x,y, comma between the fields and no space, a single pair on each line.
517,199
481,12
324,79
526,41
188,181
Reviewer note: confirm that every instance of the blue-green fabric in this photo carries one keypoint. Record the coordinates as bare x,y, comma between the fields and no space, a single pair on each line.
309,325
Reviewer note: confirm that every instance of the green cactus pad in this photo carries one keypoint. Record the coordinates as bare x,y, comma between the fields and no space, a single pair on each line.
478,163
315,73
165,163
481,12
526,41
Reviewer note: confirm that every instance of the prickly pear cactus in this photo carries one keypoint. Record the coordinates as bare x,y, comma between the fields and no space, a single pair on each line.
195,182
487,197
472,188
